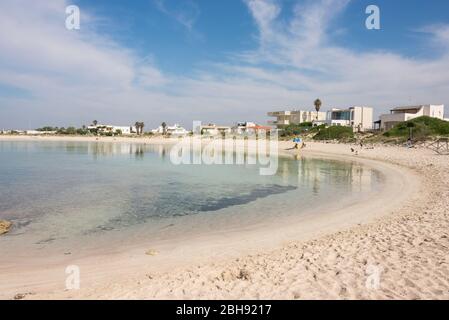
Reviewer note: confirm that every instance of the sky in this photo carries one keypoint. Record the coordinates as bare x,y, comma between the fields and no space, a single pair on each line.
219,61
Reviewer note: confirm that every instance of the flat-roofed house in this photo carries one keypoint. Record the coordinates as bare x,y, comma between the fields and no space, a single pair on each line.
285,118
359,118
250,128
175,130
213,130
105,128
401,114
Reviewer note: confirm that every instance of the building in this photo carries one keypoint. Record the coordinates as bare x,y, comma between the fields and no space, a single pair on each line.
359,118
213,130
38,132
105,129
285,118
401,114
175,130
249,128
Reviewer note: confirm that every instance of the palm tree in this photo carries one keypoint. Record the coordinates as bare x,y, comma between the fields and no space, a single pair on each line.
317,104
139,127
95,122
164,126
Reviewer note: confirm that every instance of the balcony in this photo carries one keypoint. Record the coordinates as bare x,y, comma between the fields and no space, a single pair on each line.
279,113
279,122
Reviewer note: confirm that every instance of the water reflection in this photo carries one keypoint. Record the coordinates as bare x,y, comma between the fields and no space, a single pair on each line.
315,172
302,171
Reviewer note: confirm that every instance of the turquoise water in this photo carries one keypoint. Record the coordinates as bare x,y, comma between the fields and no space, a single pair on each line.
92,193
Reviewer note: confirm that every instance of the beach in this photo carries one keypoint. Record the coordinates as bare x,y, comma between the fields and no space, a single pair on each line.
401,236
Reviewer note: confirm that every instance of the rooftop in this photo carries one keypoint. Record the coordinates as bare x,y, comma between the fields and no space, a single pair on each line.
407,108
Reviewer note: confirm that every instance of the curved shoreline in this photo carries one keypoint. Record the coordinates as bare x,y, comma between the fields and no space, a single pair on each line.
400,184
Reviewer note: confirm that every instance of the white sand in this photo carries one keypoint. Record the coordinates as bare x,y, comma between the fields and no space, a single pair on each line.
404,231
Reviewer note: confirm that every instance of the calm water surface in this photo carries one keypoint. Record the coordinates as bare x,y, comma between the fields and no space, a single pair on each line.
70,194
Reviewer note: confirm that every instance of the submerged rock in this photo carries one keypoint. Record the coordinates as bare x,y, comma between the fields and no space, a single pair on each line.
4,226
152,252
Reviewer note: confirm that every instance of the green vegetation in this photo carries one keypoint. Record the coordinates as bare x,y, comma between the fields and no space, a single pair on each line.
70,131
341,133
297,129
421,128
48,128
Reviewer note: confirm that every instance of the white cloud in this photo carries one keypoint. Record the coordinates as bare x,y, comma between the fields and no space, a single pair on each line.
74,77
310,60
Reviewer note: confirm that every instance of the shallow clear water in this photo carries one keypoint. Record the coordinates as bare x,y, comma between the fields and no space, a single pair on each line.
92,193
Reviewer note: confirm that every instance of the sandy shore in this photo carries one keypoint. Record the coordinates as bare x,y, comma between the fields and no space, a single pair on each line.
401,237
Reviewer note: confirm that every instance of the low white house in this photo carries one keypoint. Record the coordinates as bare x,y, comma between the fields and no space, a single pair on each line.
401,114
175,130
359,118
38,133
285,118
249,128
103,128
212,130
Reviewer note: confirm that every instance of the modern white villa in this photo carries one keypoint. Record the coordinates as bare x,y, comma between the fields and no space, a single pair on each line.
285,118
104,128
212,129
401,114
249,128
359,118
175,130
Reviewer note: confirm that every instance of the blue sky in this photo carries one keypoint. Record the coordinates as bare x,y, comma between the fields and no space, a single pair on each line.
217,61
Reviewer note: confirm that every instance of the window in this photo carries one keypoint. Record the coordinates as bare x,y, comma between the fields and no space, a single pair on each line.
341,115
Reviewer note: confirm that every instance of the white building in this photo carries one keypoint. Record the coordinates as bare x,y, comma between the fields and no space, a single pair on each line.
401,114
359,118
212,130
38,133
285,118
104,128
175,130
249,128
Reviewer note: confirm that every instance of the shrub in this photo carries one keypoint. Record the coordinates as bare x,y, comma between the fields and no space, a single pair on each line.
335,133
422,127
296,129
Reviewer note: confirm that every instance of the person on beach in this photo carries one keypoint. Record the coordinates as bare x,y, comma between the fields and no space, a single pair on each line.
297,141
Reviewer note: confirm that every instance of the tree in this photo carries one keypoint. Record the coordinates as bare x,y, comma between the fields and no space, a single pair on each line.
317,104
95,122
139,127
164,126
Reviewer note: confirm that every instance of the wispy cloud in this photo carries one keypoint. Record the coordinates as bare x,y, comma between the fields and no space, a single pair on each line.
439,34
185,12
